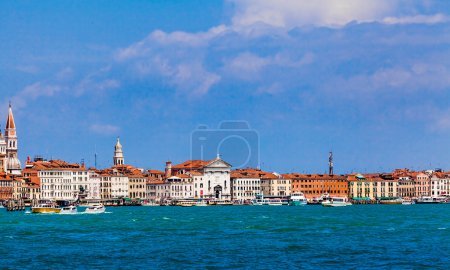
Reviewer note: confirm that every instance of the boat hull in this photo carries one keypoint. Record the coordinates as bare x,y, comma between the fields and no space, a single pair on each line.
96,211
44,210
297,203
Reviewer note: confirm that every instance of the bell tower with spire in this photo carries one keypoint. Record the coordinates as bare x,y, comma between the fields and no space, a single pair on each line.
118,153
2,152
13,163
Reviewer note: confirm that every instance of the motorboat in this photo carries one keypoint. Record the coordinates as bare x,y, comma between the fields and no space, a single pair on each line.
336,202
298,199
45,208
95,209
390,200
201,203
320,199
430,200
87,204
150,204
70,209
271,201
407,201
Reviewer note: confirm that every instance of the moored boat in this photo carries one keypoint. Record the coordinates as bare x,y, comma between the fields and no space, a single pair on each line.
336,202
150,204
430,200
298,199
45,208
390,200
201,203
95,209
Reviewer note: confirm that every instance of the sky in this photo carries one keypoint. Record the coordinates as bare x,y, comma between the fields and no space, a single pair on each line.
366,79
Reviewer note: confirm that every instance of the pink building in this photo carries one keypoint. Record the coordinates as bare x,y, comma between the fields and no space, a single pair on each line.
422,184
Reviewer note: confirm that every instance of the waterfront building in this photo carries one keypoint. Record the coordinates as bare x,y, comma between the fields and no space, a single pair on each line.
422,184
60,180
360,188
384,185
406,186
105,184
245,184
314,185
181,186
6,186
32,191
119,186
440,184
18,188
273,184
212,177
155,186
13,165
157,190
94,186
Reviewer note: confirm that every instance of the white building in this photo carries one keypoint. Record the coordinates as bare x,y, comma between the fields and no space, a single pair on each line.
440,184
56,184
181,187
158,190
245,184
119,186
94,189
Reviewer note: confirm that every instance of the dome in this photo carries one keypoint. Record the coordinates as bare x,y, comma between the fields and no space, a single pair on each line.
13,163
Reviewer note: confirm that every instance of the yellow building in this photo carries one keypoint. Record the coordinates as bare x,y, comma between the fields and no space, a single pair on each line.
372,187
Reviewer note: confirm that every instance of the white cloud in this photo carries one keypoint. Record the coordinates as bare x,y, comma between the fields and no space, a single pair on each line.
104,129
34,91
28,69
294,13
418,77
418,19
159,38
330,13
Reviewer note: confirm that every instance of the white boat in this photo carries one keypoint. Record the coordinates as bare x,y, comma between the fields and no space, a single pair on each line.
68,210
297,199
271,202
95,209
430,200
150,204
201,203
89,204
336,202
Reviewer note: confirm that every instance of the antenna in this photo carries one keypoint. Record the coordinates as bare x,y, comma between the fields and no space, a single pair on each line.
95,156
330,163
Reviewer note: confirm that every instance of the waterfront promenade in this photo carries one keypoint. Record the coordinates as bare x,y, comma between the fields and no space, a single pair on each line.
358,237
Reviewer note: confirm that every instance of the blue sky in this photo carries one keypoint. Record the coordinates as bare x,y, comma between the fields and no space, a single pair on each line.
368,79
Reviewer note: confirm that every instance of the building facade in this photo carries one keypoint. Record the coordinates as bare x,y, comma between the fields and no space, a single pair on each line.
314,185
211,179
245,184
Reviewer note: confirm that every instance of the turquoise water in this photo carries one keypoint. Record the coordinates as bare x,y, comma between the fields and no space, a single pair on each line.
245,237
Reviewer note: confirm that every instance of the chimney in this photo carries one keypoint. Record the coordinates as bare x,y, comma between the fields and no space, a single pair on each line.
168,169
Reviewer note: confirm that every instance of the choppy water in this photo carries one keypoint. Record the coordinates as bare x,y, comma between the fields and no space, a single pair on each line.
245,237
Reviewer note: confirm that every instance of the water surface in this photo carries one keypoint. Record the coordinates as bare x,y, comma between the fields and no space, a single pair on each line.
241,237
